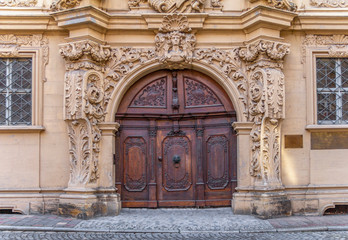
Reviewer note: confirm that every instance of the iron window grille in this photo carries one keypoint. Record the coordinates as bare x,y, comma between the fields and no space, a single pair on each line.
15,91
332,90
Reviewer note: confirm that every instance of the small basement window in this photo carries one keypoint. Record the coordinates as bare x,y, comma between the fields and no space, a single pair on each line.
337,210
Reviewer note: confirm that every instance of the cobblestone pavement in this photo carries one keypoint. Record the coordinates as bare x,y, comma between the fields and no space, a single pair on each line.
211,219
211,223
163,236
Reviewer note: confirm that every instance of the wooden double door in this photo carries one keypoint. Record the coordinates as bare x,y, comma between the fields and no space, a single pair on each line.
175,146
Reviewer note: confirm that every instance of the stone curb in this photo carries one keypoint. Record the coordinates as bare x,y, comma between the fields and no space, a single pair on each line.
60,229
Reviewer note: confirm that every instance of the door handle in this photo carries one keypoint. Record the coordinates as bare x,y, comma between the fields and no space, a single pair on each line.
160,158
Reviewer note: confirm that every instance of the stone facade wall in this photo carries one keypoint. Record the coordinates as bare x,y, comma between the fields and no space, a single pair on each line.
87,53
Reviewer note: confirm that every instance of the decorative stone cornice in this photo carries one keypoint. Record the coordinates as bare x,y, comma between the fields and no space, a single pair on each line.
59,5
330,3
18,3
85,49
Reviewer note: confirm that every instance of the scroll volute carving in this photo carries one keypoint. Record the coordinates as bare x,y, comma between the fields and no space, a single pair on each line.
266,108
86,99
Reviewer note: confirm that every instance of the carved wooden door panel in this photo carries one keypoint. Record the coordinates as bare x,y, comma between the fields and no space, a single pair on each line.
175,146
176,161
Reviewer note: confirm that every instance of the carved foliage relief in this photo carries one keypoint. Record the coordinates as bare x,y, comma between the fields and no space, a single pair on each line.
59,5
330,3
172,6
85,102
18,3
93,71
154,95
197,94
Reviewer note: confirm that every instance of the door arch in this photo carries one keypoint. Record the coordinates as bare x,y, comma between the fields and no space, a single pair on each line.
176,145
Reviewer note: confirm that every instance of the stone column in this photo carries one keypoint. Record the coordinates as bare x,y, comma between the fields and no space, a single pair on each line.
90,191
264,196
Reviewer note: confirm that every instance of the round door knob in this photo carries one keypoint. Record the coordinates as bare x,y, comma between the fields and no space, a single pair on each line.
160,159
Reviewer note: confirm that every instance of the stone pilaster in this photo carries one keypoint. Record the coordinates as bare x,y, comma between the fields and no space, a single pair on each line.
87,194
264,196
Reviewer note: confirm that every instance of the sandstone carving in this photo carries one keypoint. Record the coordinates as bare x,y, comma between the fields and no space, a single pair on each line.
18,3
266,107
74,51
10,45
175,42
216,3
330,3
270,149
172,6
93,71
85,103
283,4
337,45
59,5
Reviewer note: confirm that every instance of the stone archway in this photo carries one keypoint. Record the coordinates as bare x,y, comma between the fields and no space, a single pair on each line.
98,76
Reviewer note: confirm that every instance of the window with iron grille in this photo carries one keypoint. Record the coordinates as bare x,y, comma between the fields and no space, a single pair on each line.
15,91
332,90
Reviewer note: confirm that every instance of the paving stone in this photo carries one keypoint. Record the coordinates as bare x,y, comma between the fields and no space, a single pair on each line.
177,236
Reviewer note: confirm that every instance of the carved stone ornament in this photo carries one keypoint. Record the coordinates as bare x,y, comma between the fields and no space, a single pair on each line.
59,5
172,6
92,50
330,3
93,71
18,3
85,103
216,3
11,45
283,4
175,42
337,45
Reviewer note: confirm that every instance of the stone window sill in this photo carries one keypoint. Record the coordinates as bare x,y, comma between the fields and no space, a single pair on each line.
21,129
318,128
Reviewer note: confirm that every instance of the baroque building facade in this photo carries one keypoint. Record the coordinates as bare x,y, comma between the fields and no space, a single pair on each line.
173,103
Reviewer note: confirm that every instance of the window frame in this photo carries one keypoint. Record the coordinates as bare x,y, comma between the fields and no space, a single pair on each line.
36,55
339,102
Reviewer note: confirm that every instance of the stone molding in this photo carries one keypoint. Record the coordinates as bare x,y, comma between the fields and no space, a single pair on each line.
59,5
336,45
18,3
10,44
330,3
